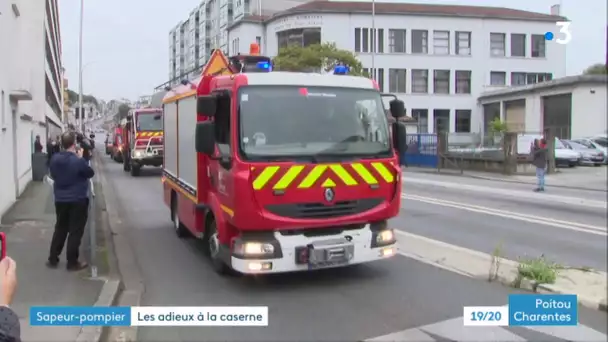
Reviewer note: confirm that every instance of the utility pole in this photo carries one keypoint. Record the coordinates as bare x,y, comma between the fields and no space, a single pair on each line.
80,122
374,40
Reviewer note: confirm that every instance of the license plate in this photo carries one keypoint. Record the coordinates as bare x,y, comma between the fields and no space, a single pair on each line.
330,253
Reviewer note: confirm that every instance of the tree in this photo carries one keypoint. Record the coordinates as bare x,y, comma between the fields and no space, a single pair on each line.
316,57
123,110
73,98
596,69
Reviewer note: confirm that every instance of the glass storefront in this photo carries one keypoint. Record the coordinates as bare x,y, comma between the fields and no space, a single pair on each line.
302,37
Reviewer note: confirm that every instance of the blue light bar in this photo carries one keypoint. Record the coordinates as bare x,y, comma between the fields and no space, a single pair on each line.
341,70
266,66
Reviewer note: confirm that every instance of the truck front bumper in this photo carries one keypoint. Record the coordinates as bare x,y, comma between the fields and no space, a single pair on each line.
294,253
141,158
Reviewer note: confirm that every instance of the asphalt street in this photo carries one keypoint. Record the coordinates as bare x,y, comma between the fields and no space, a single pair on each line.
445,208
353,304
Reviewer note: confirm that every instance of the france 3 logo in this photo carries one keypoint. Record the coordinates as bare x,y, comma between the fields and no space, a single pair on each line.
564,30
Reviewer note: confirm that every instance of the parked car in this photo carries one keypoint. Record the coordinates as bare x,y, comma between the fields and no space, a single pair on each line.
109,144
565,156
590,156
598,143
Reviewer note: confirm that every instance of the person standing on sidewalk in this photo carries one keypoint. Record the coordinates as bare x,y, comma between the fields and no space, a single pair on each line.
70,173
539,160
37,145
10,329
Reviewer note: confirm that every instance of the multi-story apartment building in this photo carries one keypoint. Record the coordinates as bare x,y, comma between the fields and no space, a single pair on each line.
438,59
191,41
31,97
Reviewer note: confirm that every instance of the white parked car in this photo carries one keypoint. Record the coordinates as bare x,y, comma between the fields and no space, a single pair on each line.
565,156
598,143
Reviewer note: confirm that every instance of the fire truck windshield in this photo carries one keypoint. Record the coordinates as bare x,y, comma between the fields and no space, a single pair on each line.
279,122
149,122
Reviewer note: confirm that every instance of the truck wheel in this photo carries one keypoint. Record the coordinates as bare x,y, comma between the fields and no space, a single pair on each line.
126,164
180,229
135,170
213,247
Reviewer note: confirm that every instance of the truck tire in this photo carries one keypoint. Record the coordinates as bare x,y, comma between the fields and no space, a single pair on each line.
135,170
180,230
213,248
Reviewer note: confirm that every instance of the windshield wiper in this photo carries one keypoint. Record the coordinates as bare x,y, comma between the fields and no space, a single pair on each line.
340,146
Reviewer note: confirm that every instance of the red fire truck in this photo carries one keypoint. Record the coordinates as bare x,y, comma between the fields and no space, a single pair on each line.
142,138
280,171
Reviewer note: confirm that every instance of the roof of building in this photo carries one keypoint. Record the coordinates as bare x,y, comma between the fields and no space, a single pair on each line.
556,83
397,8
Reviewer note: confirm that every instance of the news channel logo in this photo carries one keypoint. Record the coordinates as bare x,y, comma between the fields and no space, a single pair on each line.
564,37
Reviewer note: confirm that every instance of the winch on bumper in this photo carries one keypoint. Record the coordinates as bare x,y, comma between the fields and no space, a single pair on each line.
279,252
149,157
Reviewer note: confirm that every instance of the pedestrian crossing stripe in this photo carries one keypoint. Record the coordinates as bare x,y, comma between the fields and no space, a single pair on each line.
327,175
148,134
454,330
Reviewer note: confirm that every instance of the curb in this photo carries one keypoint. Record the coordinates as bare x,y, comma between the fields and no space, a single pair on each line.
506,276
106,298
496,179
132,286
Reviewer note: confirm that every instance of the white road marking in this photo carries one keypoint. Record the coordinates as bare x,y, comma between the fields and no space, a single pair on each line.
512,193
585,228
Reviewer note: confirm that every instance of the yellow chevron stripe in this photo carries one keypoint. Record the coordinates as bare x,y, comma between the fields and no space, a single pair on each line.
328,183
312,177
343,174
264,177
288,177
384,172
364,173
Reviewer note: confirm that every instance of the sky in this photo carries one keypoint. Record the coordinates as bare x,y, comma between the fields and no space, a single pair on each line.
126,43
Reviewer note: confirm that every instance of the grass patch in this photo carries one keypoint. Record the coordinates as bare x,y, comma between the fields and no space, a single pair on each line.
540,270
497,254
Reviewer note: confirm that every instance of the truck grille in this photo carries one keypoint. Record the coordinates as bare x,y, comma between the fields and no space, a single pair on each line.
321,210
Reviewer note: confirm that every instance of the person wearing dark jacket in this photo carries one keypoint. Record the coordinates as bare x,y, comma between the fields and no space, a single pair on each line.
70,173
37,145
10,329
539,160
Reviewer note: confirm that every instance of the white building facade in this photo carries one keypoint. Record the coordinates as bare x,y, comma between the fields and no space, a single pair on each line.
438,59
31,97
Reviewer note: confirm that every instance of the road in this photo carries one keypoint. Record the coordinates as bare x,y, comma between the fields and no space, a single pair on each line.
353,304
480,215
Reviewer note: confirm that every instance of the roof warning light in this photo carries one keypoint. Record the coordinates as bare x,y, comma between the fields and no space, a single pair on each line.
264,66
341,70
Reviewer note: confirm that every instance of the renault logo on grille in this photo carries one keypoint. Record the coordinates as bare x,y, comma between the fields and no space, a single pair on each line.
329,195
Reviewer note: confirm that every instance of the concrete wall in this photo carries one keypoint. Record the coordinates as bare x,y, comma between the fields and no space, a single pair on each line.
22,71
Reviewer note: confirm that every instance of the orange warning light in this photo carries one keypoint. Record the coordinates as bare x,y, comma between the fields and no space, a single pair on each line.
254,49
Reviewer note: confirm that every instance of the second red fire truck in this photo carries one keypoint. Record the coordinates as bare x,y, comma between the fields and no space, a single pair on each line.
280,171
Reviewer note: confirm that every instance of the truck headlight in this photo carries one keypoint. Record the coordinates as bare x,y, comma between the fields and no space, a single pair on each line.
254,249
138,154
385,237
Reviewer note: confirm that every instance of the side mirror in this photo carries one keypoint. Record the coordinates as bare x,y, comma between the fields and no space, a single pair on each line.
206,105
399,137
205,138
397,108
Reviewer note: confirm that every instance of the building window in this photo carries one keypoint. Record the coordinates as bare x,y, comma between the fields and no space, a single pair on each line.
518,45
377,75
463,121
420,41
518,78
420,81
357,40
380,34
258,40
441,81
441,42
299,37
463,43
422,116
497,44
365,43
397,40
463,81
538,46
442,120
498,78
397,80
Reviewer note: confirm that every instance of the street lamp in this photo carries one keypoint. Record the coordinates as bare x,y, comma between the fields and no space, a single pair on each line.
374,40
80,111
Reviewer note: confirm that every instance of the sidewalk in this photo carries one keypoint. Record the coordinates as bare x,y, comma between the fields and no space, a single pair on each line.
580,178
29,226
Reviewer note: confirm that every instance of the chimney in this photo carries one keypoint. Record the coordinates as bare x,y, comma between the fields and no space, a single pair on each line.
555,10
